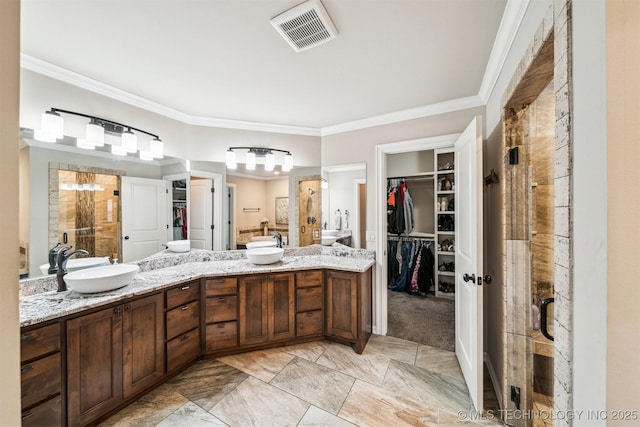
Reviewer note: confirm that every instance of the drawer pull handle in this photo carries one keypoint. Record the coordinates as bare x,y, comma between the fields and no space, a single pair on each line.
309,314
184,337
27,415
27,336
184,288
220,326
219,281
186,307
309,290
26,369
222,299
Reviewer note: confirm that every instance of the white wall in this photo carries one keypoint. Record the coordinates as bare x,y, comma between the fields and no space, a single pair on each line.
590,208
250,193
341,195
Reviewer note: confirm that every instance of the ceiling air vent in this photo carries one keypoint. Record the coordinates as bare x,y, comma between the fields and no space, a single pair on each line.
305,26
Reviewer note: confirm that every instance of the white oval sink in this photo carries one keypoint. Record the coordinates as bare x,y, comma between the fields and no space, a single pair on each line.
264,255
329,232
262,244
179,245
101,279
329,240
75,264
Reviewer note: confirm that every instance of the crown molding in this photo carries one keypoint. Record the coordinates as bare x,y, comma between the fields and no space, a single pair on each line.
509,25
399,116
47,69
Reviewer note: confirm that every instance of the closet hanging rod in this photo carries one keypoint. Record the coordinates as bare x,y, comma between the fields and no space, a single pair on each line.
426,239
417,178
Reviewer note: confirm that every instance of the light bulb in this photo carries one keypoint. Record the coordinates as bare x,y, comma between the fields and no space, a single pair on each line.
269,161
156,146
94,133
288,162
129,141
51,123
84,144
231,159
251,160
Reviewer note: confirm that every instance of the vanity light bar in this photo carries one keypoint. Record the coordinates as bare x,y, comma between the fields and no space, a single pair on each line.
52,128
253,152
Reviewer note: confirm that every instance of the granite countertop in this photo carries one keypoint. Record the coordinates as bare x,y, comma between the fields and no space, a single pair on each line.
40,302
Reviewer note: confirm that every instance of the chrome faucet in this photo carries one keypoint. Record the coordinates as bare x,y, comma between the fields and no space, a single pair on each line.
278,238
61,261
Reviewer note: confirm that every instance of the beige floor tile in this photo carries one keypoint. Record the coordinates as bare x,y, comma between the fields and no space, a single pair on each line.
367,367
392,348
263,364
316,417
438,360
320,386
369,405
430,388
149,410
206,382
190,415
255,403
310,351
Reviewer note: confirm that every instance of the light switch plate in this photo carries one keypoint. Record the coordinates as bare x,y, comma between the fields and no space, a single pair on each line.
371,236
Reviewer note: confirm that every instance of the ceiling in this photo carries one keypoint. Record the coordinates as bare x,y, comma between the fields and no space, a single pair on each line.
223,59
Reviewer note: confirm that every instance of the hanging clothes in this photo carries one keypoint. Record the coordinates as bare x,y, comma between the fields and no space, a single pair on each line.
410,266
400,219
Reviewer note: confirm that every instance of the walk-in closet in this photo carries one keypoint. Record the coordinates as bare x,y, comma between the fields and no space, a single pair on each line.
420,246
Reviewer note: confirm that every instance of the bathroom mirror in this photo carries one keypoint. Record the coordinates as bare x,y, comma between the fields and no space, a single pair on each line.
37,200
344,203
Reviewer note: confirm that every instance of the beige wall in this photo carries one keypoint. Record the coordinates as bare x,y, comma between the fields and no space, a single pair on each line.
257,193
9,99
623,115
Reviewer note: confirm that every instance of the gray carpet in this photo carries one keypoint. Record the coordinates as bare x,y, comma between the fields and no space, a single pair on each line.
425,320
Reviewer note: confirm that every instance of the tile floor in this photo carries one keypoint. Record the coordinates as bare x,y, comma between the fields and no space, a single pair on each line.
393,383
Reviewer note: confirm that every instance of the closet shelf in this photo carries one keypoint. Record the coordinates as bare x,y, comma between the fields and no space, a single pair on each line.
446,253
446,212
446,171
446,192
447,233
446,273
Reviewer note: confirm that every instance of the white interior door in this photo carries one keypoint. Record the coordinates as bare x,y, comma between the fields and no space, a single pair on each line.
201,216
468,227
144,217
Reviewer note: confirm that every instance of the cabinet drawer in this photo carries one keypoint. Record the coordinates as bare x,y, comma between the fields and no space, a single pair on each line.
182,349
222,309
309,298
40,379
221,286
182,319
39,341
309,278
309,323
221,335
182,294
47,414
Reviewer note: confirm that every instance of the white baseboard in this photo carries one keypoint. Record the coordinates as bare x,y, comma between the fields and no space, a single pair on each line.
494,378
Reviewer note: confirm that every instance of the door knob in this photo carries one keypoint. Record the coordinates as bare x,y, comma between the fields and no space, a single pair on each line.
468,278
126,237
488,279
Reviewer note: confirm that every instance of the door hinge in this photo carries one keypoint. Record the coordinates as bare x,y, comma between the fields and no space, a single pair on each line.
166,190
212,226
167,226
213,190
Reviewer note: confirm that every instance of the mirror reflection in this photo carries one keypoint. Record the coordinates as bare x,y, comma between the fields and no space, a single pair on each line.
344,204
72,197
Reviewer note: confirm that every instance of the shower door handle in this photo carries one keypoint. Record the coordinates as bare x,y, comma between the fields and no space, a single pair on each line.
544,307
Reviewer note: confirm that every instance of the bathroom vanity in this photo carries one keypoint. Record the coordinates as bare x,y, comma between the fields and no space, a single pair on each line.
87,356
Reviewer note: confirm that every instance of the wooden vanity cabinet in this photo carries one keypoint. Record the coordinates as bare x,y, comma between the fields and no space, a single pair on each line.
309,303
41,376
183,325
348,307
113,354
221,313
267,308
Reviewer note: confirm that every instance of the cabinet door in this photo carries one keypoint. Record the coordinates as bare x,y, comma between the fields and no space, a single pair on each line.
94,365
282,315
143,357
342,305
253,291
